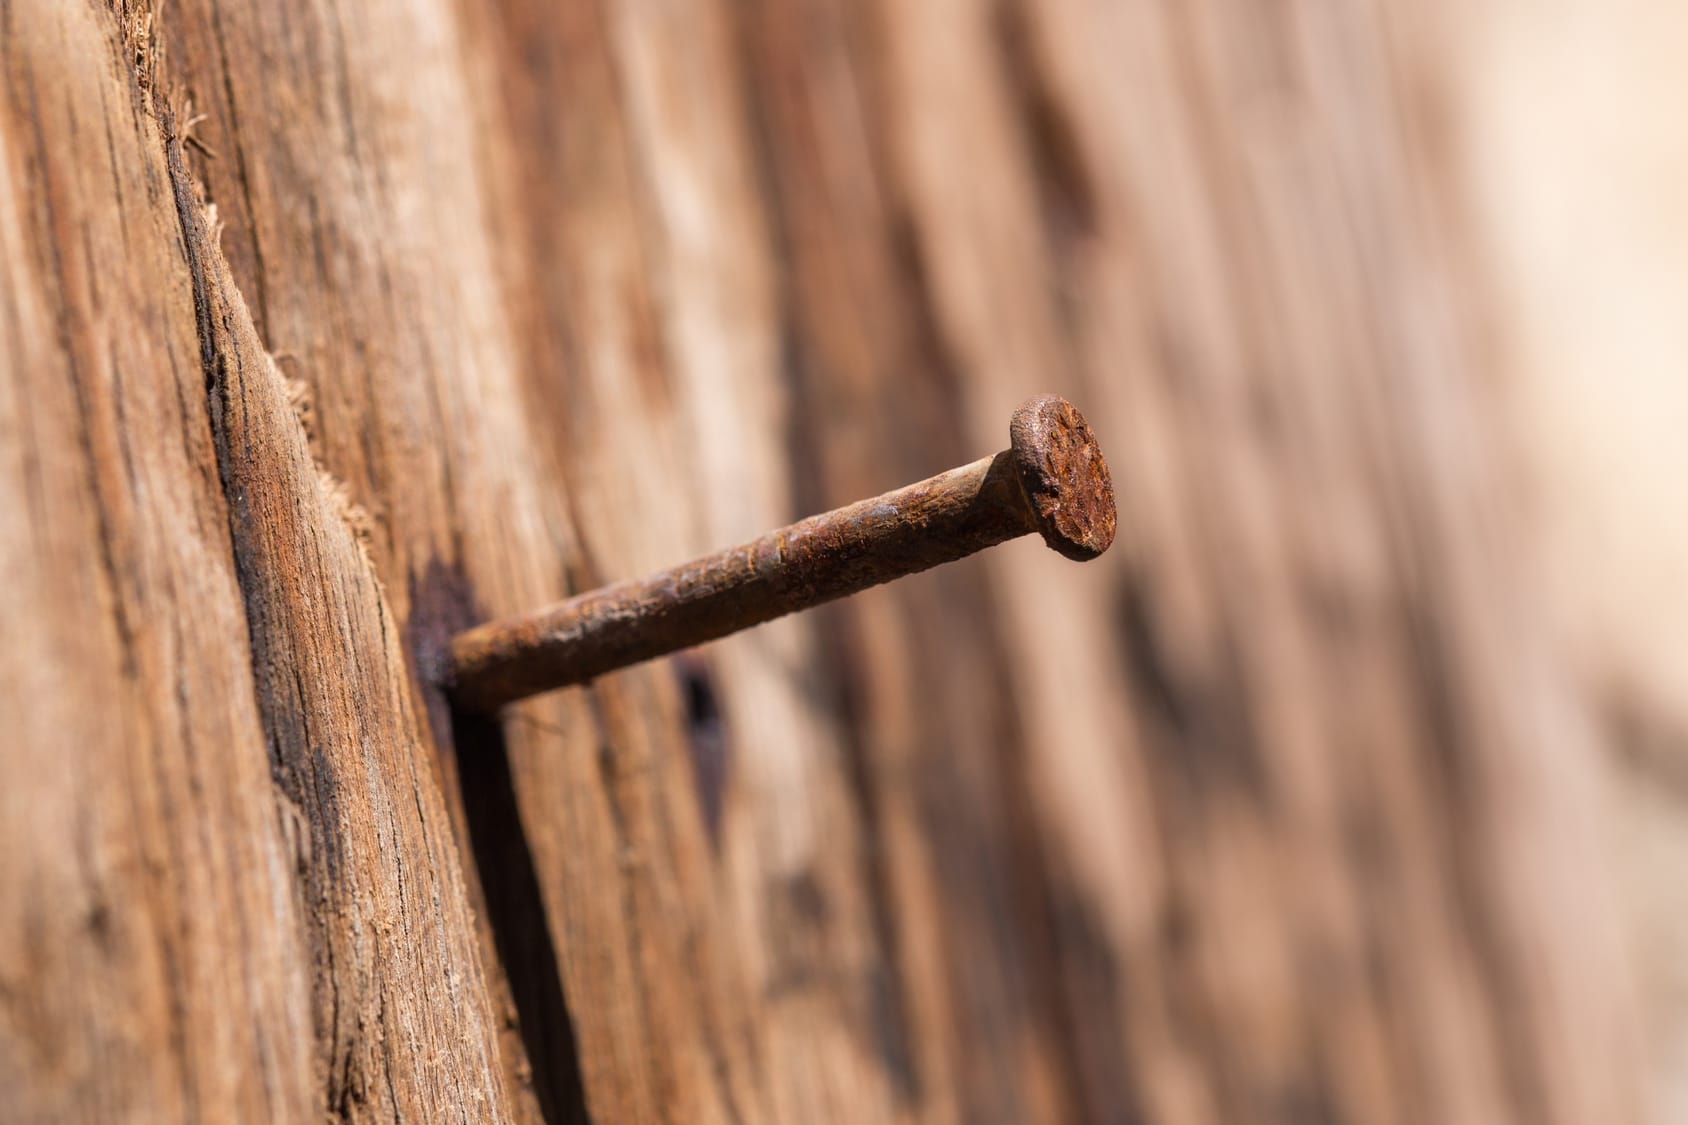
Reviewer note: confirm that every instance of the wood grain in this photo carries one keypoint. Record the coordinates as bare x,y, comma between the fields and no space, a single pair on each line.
1284,811
236,883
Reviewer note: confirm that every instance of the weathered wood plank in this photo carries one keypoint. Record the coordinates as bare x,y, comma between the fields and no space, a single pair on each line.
236,879
1278,813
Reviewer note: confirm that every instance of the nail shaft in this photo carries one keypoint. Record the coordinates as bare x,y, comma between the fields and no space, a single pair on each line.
815,560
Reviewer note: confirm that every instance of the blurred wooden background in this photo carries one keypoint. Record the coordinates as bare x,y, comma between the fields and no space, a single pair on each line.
1347,788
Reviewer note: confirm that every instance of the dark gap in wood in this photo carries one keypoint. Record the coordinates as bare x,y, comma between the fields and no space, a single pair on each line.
516,915
474,773
706,740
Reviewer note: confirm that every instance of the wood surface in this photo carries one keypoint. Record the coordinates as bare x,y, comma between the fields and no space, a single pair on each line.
328,330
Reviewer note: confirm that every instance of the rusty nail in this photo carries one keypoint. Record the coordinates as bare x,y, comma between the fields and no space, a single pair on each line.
1051,480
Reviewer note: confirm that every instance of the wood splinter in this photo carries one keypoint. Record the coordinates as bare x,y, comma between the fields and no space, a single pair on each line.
1052,480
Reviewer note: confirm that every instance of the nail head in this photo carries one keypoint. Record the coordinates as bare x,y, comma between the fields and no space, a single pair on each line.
1064,476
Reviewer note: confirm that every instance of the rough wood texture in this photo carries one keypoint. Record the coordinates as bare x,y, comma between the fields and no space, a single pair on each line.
1280,813
232,880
